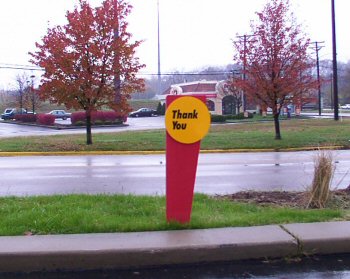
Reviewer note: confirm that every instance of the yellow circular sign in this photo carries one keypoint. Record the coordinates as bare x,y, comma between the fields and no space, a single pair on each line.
187,119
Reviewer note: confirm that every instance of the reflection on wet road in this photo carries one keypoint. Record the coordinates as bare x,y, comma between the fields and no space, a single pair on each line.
145,174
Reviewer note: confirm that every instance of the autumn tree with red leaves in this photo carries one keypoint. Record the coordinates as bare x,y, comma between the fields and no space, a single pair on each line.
90,62
278,68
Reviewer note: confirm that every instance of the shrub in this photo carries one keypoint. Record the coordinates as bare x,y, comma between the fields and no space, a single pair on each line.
161,109
78,117
323,173
240,116
46,119
223,118
218,118
110,116
79,123
121,117
26,117
98,118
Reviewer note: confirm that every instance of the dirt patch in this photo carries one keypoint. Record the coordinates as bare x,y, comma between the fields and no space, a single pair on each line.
338,198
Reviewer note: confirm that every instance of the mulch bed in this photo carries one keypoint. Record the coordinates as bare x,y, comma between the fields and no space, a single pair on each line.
339,198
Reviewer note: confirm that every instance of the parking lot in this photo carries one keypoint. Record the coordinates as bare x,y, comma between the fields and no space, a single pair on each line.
11,129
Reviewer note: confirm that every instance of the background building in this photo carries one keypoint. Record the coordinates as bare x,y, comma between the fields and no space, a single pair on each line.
219,99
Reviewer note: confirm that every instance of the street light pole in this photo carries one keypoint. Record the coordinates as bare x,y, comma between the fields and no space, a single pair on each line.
159,72
244,68
33,93
317,48
245,39
335,66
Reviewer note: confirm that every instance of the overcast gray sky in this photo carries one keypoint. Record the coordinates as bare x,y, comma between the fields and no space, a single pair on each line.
194,33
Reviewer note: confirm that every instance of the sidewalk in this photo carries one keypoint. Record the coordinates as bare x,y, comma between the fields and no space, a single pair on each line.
149,249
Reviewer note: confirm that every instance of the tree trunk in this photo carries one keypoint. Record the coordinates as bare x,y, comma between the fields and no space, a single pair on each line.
277,126
88,128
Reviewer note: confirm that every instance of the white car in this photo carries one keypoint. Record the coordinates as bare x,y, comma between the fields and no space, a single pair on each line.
346,106
60,114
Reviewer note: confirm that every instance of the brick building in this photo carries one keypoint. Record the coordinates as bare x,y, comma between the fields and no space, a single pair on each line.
219,100
222,102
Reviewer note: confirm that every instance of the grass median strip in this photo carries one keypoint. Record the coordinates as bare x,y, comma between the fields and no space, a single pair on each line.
124,213
257,135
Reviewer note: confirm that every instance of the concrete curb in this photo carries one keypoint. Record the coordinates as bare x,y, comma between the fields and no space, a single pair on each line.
322,238
150,249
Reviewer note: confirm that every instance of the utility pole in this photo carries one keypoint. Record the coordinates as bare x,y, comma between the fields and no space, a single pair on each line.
244,39
159,72
335,66
317,47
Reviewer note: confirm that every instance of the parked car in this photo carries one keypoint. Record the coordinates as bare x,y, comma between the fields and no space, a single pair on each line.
58,113
346,106
143,112
309,106
10,113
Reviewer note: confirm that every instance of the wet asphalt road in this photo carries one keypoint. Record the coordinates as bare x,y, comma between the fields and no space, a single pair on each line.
330,267
145,174
217,173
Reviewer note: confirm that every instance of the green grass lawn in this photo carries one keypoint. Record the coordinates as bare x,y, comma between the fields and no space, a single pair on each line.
118,213
254,135
295,134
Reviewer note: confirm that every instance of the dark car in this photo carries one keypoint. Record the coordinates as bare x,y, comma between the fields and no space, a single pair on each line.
10,113
143,112
58,113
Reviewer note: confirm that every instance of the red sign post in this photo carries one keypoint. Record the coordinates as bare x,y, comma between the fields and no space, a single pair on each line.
187,121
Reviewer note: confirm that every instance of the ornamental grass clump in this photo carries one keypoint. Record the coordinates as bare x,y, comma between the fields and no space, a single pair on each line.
319,192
